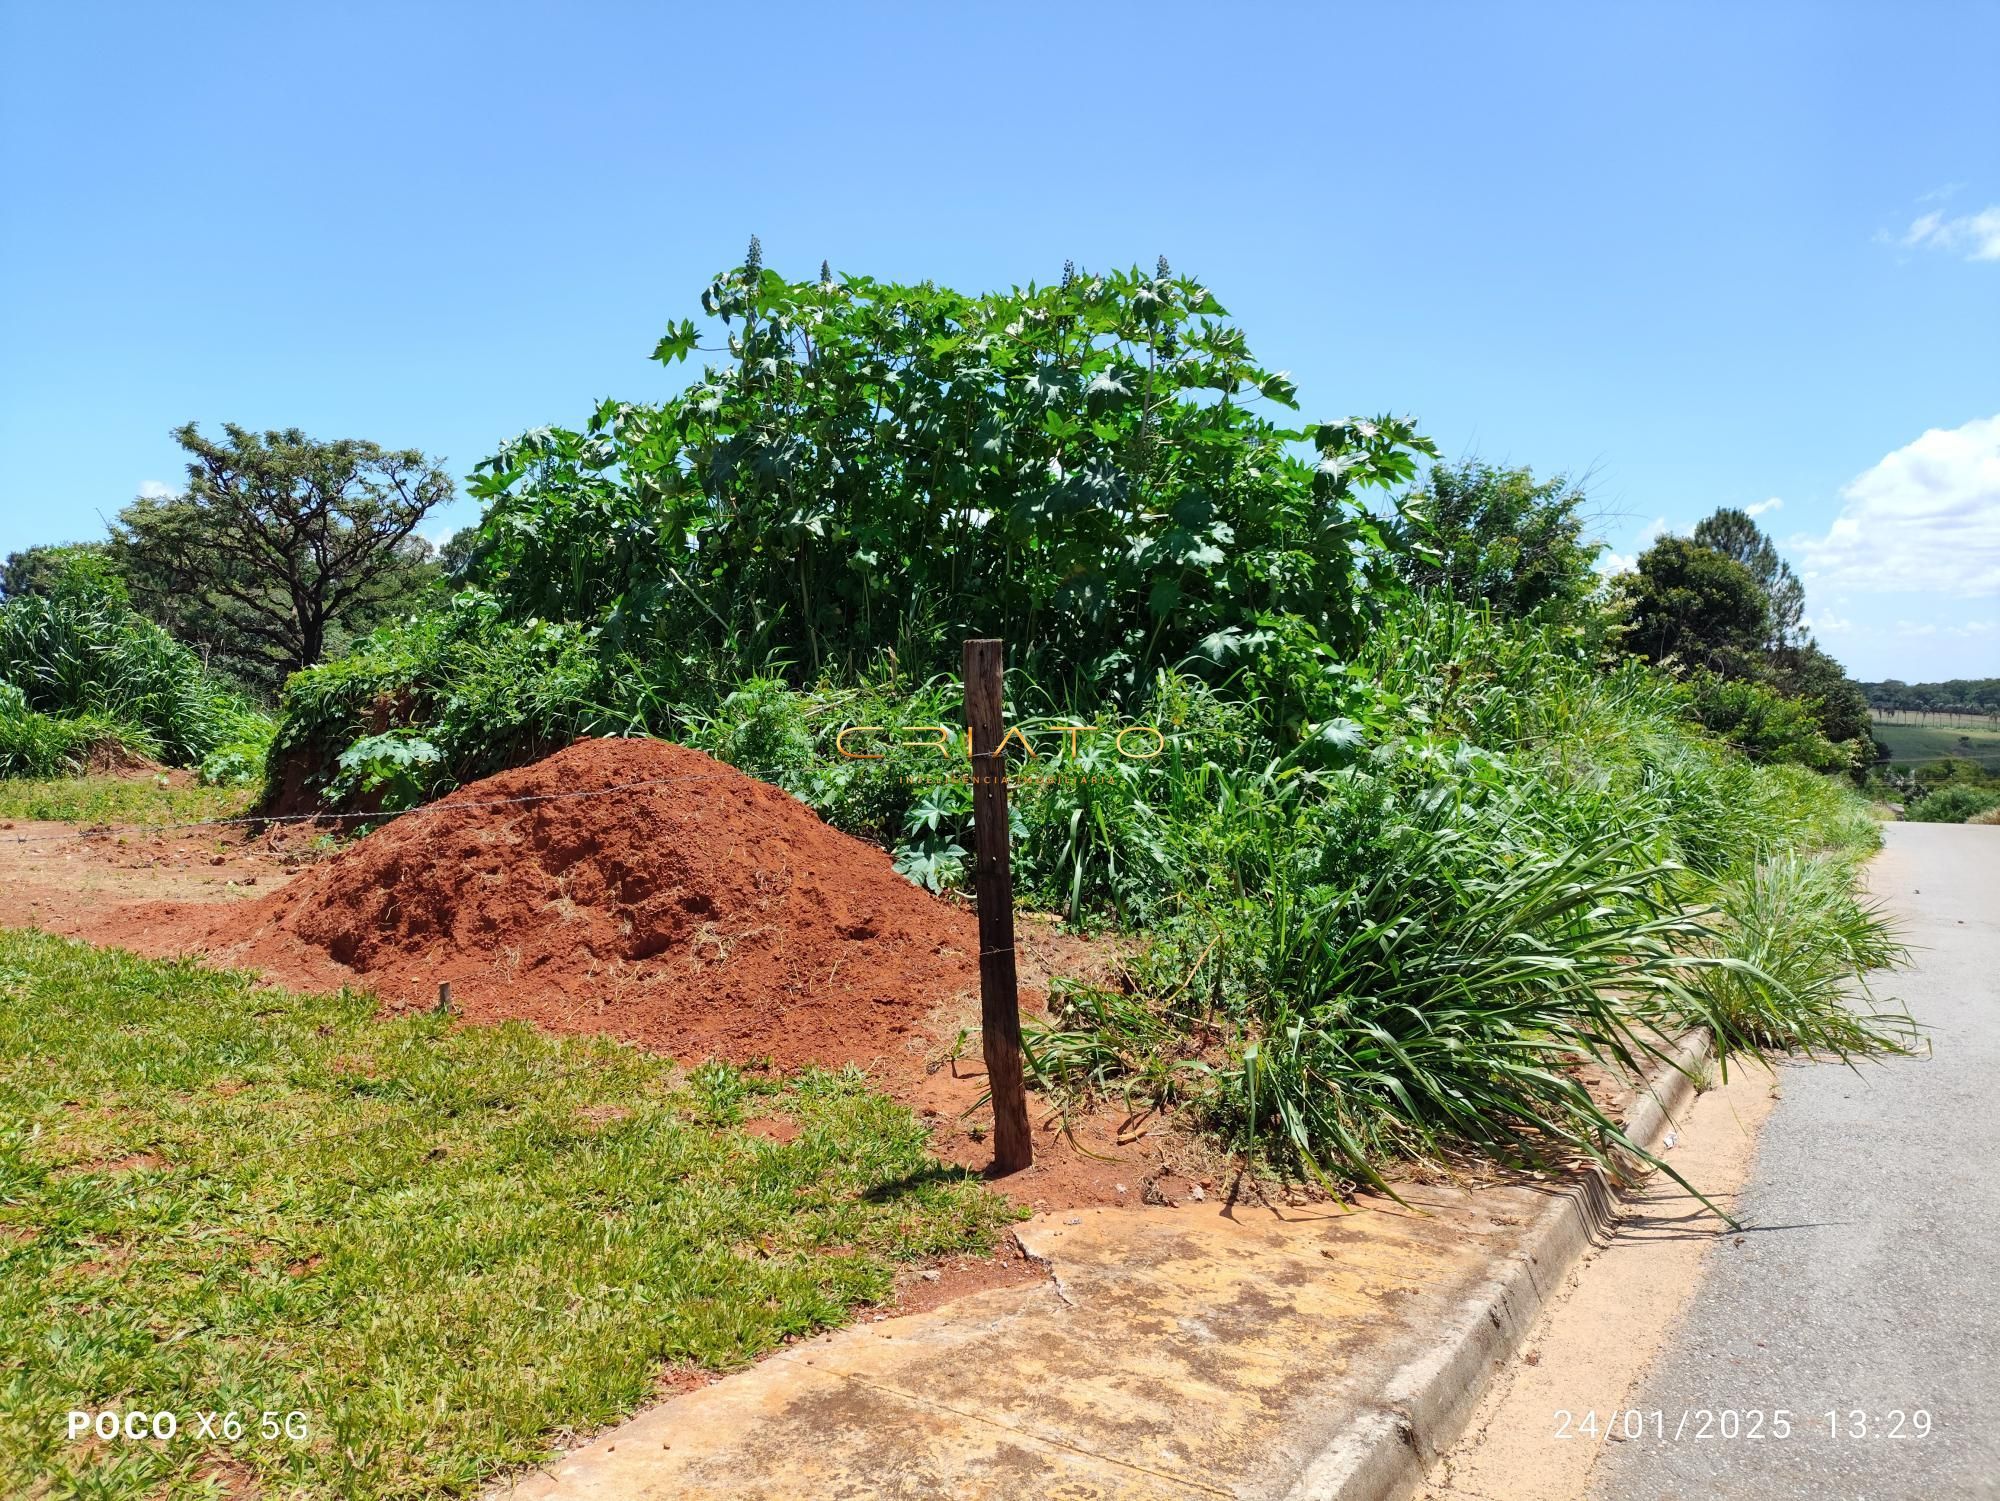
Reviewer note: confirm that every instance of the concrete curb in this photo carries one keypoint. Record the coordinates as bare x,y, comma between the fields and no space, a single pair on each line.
1429,1401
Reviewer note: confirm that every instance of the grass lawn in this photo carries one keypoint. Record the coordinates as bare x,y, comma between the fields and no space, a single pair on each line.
118,799
441,1245
1911,743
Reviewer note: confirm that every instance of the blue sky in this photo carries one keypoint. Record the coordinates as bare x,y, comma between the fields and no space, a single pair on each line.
1727,256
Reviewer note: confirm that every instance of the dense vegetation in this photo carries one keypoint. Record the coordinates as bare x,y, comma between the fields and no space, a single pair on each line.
1089,470
279,552
1478,531
1723,609
1435,816
1509,859
87,682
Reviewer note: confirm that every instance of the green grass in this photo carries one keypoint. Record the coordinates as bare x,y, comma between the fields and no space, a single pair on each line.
118,799
1909,744
443,1245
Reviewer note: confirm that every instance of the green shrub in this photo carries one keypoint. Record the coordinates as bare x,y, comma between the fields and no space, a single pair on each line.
1954,802
240,765
1766,725
761,728
393,768
483,693
1096,470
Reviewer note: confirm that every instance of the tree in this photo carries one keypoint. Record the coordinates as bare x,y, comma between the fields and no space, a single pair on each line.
279,543
1837,701
459,553
1691,603
1498,536
1736,535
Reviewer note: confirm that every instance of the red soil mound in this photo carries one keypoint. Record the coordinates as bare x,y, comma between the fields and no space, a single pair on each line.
699,912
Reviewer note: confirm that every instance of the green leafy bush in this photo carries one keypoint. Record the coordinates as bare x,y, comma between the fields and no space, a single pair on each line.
239,765
1489,534
1954,802
393,768
483,692
1086,469
1766,725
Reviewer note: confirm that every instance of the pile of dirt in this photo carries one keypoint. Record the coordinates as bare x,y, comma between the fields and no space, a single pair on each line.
682,905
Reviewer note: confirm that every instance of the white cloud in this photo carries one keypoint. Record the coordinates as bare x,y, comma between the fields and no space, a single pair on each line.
1926,519
1763,506
1975,236
1969,630
152,489
1828,624
1609,563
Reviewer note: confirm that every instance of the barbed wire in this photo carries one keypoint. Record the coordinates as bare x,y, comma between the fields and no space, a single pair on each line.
445,804
448,804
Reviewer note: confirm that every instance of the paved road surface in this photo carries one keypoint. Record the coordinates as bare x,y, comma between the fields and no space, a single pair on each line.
1869,1279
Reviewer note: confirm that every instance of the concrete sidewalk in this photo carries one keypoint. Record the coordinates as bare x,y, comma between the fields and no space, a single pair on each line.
1171,1353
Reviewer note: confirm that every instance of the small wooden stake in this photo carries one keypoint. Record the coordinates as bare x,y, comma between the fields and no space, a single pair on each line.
444,998
993,885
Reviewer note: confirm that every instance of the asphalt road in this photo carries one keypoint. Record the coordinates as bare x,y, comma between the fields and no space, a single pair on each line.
1867,1282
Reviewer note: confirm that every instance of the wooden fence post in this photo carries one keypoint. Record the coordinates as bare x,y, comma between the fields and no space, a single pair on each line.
993,885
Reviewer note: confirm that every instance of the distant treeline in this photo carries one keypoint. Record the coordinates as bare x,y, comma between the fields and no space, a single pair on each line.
1976,696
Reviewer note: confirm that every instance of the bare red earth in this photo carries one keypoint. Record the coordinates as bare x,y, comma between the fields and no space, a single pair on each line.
701,913
642,890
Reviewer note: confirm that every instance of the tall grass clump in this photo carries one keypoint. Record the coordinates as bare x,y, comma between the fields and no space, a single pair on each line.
1805,943
87,679
1482,864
